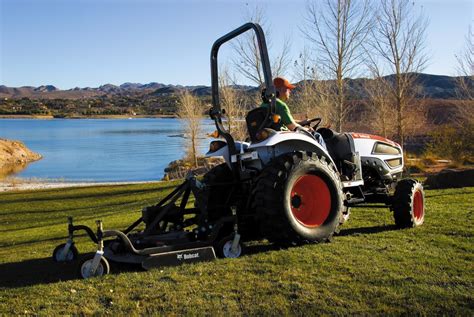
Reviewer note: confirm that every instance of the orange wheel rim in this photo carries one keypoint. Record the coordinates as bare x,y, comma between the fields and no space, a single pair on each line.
310,200
418,205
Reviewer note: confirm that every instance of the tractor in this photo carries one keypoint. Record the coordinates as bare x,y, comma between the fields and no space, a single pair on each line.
290,189
283,186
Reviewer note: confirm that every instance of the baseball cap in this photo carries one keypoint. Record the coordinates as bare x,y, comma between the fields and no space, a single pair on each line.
281,82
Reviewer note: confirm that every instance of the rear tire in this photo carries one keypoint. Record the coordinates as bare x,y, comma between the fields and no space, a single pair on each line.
298,199
409,204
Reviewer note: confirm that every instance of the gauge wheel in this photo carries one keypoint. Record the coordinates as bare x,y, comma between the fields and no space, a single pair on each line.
71,255
85,267
224,248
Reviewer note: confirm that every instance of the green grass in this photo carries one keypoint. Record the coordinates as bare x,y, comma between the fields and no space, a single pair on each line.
370,268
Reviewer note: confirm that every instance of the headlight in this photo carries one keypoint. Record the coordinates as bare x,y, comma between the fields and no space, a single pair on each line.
383,148
394,162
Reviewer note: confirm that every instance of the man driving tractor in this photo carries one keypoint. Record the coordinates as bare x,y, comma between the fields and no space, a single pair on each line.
283,90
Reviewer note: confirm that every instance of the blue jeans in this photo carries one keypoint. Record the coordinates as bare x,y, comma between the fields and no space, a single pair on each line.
320,139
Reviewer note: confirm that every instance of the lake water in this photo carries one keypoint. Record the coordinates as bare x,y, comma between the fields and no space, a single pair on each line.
97,150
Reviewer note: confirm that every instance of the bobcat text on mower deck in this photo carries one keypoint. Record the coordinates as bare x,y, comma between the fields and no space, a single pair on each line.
282,186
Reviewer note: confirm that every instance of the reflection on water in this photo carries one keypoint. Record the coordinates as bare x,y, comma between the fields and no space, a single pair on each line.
100,149
140,131
8,170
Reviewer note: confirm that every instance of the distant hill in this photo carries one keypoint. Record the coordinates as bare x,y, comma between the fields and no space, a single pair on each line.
166,91
110,89
47,88
130,85
436,86
432,86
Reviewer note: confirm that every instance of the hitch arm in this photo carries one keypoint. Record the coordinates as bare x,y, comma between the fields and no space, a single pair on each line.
72,228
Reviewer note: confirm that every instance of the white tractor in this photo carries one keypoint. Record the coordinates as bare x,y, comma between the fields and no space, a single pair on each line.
289,188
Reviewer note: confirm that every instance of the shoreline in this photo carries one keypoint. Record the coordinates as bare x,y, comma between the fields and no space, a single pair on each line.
158,116
21,185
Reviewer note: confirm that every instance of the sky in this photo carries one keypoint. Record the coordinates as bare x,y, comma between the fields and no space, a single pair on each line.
88,43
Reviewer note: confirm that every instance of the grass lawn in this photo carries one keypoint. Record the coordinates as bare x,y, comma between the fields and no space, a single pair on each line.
369,268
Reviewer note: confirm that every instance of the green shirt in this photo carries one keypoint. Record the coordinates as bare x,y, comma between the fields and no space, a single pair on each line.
283,111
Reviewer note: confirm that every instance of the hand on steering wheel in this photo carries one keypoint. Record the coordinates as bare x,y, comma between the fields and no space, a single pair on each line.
304,130
308,123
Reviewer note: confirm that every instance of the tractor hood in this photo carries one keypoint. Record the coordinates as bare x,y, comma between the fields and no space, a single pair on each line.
366,144
378,151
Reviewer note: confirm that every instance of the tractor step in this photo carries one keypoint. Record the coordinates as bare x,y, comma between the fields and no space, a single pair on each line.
179,257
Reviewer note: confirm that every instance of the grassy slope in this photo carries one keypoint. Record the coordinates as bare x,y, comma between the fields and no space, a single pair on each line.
370,268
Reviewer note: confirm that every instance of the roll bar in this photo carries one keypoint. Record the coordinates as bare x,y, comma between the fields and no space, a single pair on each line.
216,111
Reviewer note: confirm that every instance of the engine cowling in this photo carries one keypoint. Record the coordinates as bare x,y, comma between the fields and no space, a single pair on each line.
380,154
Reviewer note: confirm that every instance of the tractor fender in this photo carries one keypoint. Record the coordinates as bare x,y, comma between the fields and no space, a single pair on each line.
286,142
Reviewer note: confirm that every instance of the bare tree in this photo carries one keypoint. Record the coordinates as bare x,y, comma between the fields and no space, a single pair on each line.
312,96
233,101
248,61
338,29
380,110
399,38
190,110
465,81
305,95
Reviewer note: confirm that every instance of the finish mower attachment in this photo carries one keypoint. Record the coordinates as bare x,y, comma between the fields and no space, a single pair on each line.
173,235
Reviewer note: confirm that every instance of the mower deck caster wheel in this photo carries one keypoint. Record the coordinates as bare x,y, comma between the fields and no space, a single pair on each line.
71,255
103,268
224,248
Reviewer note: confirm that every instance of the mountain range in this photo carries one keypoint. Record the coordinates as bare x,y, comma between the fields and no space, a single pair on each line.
432,86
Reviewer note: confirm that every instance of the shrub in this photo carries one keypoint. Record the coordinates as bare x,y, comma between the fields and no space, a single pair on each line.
453,143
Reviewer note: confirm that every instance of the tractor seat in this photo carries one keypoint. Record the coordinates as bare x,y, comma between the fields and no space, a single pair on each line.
255,120
342,150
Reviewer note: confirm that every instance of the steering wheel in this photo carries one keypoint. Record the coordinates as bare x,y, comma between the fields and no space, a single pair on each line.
308,123
304,131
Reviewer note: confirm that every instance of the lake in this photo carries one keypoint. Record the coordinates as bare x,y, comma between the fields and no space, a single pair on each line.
101,150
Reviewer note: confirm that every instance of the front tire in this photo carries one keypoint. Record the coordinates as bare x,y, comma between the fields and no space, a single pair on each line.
298,199
409,204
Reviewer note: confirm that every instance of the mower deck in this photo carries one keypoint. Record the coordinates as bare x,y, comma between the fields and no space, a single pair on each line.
168,238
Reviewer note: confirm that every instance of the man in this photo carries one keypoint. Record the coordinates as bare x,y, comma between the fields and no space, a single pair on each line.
283,90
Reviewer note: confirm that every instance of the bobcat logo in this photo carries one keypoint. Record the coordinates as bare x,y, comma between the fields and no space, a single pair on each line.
183,256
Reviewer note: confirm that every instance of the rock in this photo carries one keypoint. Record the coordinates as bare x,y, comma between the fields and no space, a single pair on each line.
451,178
180,168
14,156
